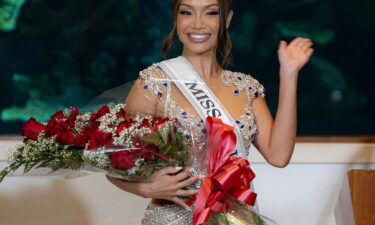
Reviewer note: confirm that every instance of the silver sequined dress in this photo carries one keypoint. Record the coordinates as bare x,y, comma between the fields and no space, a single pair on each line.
156,82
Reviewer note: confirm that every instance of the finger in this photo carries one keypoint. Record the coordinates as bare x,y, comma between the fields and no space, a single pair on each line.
295,42
183,175
189,181
187,193
306,45
180,202
169,170
283,45
309,52
302,42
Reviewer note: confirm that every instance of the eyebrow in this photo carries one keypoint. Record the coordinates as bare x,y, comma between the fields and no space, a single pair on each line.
207,6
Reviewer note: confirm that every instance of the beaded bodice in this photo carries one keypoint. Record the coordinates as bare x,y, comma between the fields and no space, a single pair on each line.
160,85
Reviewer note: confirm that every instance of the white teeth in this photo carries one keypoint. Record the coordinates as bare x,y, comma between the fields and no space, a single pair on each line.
199,36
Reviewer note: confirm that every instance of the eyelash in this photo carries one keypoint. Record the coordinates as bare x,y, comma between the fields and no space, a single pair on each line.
187,13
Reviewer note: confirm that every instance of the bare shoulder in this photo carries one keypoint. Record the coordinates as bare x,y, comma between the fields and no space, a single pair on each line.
147,90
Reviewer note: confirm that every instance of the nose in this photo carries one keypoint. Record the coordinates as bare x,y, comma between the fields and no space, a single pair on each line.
198,22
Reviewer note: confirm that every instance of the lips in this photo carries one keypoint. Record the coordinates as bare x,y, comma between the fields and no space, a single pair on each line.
199,37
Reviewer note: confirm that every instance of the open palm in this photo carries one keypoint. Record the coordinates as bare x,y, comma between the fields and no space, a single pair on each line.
294,56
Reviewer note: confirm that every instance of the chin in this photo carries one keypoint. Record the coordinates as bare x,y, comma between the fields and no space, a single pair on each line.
199,50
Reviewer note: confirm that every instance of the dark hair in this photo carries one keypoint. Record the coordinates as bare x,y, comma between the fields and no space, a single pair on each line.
224,42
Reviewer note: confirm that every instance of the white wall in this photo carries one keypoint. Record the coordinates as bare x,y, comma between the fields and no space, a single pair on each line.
303,193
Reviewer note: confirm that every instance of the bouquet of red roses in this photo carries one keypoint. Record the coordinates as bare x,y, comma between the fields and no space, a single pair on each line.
108,140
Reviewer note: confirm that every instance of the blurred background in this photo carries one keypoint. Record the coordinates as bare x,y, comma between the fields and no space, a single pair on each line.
61,53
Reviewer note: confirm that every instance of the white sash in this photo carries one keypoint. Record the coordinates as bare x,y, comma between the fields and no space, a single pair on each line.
200,96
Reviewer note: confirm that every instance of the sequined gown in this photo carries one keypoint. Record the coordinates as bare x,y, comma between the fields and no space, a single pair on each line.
158,87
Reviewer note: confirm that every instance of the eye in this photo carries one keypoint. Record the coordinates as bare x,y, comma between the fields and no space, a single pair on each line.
213,13
185,12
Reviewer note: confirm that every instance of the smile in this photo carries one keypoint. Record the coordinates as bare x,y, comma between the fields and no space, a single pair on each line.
199,37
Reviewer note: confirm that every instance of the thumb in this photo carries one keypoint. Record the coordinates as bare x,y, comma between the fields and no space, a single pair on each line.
169,170
180,202
283,45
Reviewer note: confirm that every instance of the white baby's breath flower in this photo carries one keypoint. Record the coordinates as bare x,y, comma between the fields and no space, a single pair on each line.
98,158
82,121
139,161
118,108
132,171
67,111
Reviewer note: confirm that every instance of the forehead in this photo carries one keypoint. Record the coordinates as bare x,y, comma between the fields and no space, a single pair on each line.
199,3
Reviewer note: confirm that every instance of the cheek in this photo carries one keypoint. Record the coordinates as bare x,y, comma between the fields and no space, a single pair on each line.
214,24
182,25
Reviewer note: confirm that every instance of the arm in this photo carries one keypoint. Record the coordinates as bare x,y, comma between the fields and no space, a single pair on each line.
137,188
276,138
162,185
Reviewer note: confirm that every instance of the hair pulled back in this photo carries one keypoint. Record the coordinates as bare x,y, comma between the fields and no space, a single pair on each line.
224,42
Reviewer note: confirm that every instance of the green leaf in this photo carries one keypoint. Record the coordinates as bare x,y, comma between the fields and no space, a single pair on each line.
154,139
3,173
166,149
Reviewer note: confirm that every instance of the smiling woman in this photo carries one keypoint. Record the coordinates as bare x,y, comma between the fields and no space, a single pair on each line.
218,18
195,86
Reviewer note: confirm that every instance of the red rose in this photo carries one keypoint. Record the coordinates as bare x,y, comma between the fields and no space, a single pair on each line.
100,139
149,151
71,121
84,136
122,114
104,110
145,123
55,124
123,160
148,156
31,129
65,137
124,125
159,122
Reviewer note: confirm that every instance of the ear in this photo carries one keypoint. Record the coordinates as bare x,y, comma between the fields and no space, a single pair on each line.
229,18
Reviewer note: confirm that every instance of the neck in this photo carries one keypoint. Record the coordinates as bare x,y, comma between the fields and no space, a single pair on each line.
206,64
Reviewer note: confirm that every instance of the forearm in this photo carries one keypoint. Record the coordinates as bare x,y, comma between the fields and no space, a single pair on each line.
137,188
284,129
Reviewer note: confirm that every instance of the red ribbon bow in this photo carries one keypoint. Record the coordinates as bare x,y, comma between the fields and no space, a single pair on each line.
227,176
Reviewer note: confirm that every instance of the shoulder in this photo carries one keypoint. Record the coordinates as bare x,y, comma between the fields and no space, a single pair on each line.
152,72
244,82
153,79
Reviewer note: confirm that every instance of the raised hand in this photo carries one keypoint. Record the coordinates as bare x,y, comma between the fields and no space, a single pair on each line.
294,56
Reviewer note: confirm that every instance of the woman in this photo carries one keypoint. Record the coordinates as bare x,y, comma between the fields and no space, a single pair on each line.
202,27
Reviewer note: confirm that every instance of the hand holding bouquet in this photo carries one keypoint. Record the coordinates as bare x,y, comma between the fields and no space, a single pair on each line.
134,148
108,140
